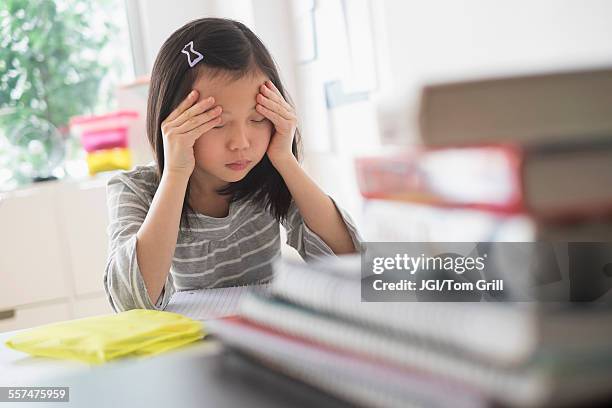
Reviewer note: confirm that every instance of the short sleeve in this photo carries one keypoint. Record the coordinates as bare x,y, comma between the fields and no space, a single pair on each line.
123,282
307,243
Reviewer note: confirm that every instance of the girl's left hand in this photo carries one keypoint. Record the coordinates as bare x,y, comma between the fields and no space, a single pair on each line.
273,106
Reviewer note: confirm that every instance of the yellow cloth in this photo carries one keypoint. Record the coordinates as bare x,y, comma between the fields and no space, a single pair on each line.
98,339
111,159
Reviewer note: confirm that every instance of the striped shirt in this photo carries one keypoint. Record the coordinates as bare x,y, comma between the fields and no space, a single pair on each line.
213,252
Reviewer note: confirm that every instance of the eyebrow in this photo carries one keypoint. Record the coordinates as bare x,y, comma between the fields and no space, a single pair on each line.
230,112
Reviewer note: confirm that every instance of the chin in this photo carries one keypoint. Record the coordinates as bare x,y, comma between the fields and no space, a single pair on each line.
232,178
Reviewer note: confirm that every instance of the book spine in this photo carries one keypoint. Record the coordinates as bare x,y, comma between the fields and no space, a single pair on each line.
532,109
487,177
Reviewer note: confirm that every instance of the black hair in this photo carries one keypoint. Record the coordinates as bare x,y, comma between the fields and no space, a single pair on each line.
230,48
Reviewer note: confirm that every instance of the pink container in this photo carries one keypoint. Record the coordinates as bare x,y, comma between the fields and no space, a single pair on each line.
103,131
104,139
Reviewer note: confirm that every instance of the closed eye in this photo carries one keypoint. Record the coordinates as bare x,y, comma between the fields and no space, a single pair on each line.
262,120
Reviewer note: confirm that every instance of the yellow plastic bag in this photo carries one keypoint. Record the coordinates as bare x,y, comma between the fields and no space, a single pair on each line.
96,340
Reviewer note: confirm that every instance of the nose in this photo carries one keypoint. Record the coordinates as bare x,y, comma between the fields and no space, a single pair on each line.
238,140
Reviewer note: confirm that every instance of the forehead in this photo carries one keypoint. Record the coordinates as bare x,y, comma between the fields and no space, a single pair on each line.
229,92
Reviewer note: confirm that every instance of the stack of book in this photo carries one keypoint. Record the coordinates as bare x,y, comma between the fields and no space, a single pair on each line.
520,159
509,159
313,326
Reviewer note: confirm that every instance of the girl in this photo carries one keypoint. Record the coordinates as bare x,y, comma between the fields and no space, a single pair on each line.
225,141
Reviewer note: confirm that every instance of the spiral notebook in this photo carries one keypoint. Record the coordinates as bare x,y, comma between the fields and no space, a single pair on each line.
208,304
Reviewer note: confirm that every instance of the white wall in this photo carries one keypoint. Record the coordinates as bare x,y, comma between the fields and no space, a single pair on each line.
446,40
152,21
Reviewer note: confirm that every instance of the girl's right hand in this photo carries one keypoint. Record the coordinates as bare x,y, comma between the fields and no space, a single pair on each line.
183,127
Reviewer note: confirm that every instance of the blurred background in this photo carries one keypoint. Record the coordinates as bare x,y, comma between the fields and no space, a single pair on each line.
74,82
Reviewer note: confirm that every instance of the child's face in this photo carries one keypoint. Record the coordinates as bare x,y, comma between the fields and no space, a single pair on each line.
243,134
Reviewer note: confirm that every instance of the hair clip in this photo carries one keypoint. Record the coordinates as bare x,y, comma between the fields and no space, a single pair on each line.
186,52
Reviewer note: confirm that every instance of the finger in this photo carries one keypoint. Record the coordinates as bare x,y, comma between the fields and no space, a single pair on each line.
273,116
270,85
276,96
203,128
274,106
186,103
273,87
197,120
270,93
196,109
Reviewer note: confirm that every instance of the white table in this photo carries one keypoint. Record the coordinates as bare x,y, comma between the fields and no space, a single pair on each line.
202,374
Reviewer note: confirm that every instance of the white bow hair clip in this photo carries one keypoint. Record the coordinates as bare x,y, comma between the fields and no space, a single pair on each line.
190,53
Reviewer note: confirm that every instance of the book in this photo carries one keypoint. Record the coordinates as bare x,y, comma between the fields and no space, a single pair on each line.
528,109
530,385
506,334
551,182
403,221
349,377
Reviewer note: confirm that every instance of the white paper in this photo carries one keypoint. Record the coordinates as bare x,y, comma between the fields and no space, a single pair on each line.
207,304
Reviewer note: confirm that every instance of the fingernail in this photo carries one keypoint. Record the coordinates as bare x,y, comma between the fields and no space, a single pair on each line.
210,99
192,94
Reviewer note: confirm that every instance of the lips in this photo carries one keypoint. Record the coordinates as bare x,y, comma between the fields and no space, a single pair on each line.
238,165
240,162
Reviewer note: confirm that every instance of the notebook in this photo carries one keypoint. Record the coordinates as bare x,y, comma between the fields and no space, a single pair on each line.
546,383
507,334
361,381
215,303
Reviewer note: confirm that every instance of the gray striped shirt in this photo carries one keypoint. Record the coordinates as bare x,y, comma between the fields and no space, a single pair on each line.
238,249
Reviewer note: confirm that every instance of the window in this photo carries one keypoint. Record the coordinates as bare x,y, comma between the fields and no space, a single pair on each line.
58,59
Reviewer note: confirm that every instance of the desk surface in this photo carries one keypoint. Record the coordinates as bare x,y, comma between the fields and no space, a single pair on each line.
201,374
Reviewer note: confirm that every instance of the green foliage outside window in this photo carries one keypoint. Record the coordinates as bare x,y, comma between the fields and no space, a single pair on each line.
48,58
51,69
